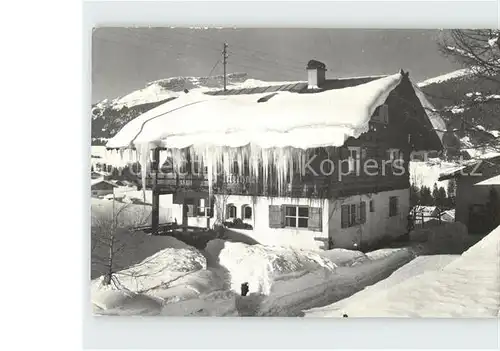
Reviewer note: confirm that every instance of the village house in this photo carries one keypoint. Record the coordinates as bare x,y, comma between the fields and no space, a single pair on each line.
321,163
428,216
101,187
478,184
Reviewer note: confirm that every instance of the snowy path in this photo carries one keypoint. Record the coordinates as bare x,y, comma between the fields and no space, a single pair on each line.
468,286
290,298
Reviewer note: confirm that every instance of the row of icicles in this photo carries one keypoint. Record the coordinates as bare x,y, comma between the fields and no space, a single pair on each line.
282,164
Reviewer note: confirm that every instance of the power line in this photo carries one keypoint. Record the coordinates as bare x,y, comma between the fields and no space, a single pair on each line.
212,70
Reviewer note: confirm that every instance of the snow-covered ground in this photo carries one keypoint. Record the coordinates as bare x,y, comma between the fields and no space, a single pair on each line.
178,280
433,286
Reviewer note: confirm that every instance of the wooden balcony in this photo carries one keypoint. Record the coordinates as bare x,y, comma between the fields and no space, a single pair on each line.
169,182
311,187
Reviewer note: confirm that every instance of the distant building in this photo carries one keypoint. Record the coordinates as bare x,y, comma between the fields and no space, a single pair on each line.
476,183
101,187
427,216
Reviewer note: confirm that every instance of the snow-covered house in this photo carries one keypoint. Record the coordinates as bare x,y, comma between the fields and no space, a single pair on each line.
476,183
319,163
101,187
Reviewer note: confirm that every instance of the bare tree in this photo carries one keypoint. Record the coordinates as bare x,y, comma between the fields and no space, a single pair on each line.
476,49
113,238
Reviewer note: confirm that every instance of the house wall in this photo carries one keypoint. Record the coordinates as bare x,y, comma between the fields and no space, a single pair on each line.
378,224
468,194
263,234
101,192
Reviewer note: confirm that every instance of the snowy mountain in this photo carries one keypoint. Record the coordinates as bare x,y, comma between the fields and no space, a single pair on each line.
108,116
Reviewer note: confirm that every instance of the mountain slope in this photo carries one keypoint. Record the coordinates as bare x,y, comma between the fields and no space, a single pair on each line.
470,105
108,116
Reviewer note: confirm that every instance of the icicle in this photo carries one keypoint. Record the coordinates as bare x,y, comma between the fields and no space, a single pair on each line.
163,158
143,153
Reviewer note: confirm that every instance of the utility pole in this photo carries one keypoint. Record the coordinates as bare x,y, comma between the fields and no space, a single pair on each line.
224,55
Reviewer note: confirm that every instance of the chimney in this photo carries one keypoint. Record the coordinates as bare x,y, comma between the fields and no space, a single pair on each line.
315,74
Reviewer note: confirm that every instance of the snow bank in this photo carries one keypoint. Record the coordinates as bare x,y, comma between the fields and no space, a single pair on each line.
417,266
163,267
260,266
317,288
172,274
469,286
344,257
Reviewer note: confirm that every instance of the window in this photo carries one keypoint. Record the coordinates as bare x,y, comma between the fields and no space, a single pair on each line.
296,216
372,206
231,211
362,212
247,212
353,159
189,207
201,208
393,206
381,114
353,214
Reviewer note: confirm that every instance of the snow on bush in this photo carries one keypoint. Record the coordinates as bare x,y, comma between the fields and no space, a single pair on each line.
161,268
177,271
260,265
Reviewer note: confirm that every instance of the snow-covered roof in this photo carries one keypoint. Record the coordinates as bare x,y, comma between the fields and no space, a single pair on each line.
438,124
468,166
495,180
101,180
287,119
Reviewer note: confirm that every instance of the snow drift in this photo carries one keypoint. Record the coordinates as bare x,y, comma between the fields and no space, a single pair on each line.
174,273
468,286
260,266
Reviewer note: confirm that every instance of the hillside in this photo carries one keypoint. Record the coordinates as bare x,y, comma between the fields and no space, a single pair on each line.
464,97
108,116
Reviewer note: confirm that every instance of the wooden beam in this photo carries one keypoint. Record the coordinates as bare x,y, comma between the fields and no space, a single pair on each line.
155,214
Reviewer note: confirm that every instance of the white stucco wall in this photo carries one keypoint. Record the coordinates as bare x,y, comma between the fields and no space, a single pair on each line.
378,223
288,237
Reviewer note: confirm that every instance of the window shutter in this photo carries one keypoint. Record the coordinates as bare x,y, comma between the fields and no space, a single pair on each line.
345,216
314,222
243,211
275,216
385,113
362,212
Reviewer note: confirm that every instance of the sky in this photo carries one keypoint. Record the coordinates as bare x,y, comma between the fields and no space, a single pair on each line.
126,59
